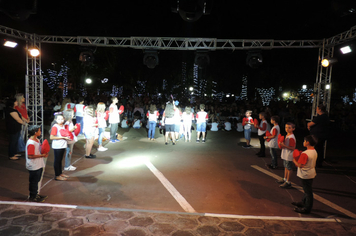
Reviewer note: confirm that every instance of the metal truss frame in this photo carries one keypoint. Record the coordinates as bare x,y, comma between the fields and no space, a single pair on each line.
34,79
34,85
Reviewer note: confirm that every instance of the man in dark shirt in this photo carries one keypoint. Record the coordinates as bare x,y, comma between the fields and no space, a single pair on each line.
319,127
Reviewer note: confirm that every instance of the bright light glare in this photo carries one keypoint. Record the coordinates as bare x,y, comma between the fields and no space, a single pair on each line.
88,81
191,88
327,86
227,95
325,62
285,95
34,52
132,162
10,44
304,86
346,49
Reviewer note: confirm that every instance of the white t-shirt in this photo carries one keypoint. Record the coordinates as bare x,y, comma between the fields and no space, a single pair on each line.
152,117
273,143
79,110
227,126
89,122
308,171
260,132
101,119
58,143
287,154
214,126
35,163
201,116
124,124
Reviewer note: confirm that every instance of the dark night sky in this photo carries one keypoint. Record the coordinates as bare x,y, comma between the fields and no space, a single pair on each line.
228,19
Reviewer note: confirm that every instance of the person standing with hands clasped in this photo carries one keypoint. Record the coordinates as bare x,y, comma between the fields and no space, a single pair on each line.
34,162
306,172
287,147
246,123
261,130
273,141
59,146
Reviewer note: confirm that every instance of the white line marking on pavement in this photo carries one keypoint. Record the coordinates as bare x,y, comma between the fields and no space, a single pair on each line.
282,218
316,197
173,191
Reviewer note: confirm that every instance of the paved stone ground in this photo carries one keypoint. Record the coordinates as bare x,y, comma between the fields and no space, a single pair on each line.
45,220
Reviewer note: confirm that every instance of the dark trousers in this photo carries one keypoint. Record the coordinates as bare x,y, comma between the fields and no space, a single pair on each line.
58,157
35,177
13,142
273,152
113,130
319,148
308,193
262,143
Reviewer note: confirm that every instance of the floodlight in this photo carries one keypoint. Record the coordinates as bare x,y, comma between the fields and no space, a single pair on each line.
10,44
86,57
345,50
328,61
150,59
327,86
201,59
88,81
304,86
191,11
34,52
254,59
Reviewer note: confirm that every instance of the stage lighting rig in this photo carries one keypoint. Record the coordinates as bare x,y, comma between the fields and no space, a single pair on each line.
254,59
150,59
202,58
18,10
86,57
191,10
327,61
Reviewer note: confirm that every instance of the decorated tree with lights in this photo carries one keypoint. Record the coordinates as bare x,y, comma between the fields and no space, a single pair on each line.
55,79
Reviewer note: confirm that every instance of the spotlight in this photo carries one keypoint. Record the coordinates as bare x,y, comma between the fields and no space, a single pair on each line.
150,59
88,81
10,44
201,59
86,57
345,50
254,59
191,10
328,61
34,52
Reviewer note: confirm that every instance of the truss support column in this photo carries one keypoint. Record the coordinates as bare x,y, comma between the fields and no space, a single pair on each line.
322,86
34,84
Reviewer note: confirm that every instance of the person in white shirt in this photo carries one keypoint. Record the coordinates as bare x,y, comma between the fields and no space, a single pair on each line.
152,116
101,116
187,116
201,118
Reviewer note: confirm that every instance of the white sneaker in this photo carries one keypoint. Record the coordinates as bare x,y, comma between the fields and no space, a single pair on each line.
70,168
102,149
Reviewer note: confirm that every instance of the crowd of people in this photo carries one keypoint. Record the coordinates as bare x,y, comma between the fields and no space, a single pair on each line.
74,118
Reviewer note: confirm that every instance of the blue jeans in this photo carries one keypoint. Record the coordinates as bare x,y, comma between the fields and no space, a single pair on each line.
101,134
79,120
68,157
113,130
152,129
247,134
273,152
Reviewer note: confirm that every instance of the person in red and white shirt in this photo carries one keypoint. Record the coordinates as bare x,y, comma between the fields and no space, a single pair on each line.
261,130
272,140
59,146
35,163
246,123
79,113
201,118
187,116
152,116
102,117
306,172
114,119
287,147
